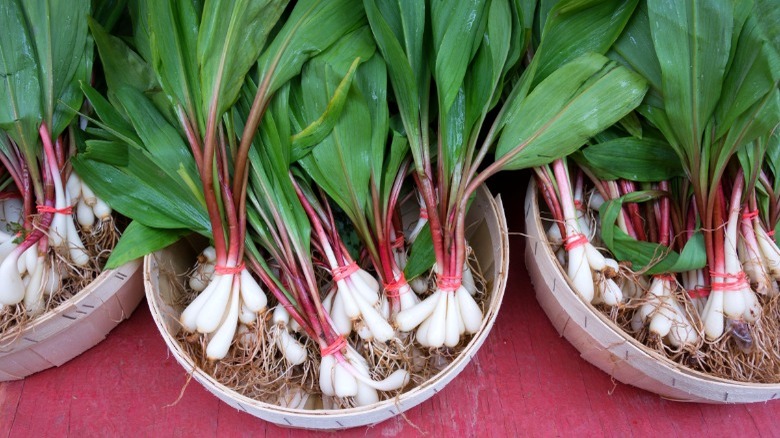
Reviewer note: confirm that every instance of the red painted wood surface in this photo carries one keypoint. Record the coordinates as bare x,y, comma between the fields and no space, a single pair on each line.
525,381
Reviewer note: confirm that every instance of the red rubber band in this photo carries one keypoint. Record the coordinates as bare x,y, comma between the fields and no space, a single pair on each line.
49,209
698,292
423,213
578,204
227,270
336,346
398,242
770,233
393,289
341,272
448,284
575,240
738,285
750,215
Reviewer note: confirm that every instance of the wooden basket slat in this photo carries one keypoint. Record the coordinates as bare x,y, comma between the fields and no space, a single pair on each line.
605,345
487,216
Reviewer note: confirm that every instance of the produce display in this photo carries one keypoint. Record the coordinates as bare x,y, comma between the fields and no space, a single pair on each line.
322,157
55,233
665,222
292,146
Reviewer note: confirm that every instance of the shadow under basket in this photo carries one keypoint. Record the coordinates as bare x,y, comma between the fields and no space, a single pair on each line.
487,234
605,345
74,326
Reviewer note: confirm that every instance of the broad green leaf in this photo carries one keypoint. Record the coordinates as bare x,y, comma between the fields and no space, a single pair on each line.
111,119
648,257
108,12
123,67
172,39
399,36
313,100
633,159
485,73
106,151
341,163
230,38
142,191
139,240
692,41
754,70
421,255
457,29
313,26
159,138
59,32
575,27
634,49
20,90
576,102
139,15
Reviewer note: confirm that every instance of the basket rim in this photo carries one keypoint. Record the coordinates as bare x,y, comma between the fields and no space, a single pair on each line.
128,269
443,376
533,217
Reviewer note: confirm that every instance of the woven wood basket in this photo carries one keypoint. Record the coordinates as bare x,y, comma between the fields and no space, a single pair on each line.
487,234
73,327
605,345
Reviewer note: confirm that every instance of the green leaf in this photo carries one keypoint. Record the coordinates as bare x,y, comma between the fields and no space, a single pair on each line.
111,119
139,240
754,70
123,67
576,102
232,33
341,162
20,99
109,152
634,159
173,40
399,36
317,130
313,26
59,32
692,41
108,12
457,30
648,257
160,139
142,191
421,254
575,27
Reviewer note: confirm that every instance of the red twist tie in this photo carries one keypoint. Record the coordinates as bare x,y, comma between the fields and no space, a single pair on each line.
393,289
447,283
423,213
336,346
342,272
725,286
699,292
750,215
227,270
49,209
574,241
398,242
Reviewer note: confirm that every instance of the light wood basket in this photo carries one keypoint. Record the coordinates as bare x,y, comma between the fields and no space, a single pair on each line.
487,234
73,327
607,346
